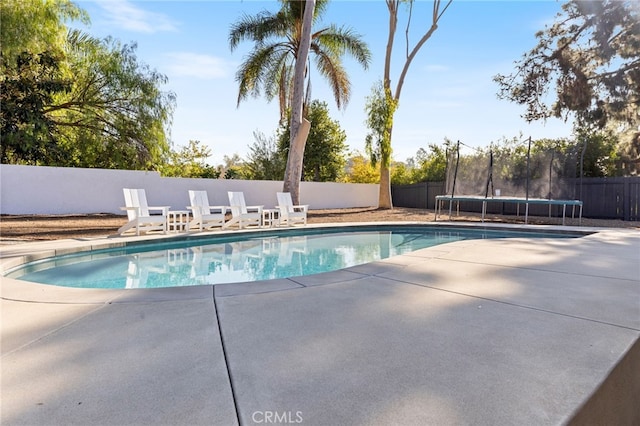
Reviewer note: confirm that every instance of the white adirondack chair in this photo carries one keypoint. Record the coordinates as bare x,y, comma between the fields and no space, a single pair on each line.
241,214
138,213
290,214
204,215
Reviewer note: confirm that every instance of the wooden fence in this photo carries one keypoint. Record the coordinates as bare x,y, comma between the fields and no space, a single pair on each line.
603,198
420,195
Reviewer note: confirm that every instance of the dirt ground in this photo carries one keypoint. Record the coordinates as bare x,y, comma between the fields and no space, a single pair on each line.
19,228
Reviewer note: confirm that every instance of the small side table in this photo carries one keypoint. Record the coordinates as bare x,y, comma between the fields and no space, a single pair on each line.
270,217
177,220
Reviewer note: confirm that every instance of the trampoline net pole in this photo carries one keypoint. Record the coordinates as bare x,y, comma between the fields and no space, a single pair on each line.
549,183
528,170
455,171
584,150
490,175
455,176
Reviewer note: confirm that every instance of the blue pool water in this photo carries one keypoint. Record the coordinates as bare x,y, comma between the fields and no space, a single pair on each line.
229,259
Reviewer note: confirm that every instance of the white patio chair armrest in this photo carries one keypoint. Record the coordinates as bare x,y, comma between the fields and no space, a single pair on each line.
302,207
165,209
223,209
256,208
134,208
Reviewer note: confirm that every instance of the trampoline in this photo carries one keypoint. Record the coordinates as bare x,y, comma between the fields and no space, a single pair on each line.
441,199
545,176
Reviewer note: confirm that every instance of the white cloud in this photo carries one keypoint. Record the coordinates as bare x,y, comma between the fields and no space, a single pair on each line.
205,67
124,14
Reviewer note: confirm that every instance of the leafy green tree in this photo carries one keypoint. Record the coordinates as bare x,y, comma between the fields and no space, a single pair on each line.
629,151
115,115
265,161
380,107
427,166
233,167
402,174
360,170
325,151
278,63
432,164
75,100
190,162
27,88
601,156
32,73
590,56
36,26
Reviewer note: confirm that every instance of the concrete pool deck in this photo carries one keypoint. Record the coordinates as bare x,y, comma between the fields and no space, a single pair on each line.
483,332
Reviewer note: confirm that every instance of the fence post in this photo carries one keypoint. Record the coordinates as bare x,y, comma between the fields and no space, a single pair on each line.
626,191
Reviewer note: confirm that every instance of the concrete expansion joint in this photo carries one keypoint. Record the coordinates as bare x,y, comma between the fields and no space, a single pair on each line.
331,282
226,358
53,302
55,329
295,282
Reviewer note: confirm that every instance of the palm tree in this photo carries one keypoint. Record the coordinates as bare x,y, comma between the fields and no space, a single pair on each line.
277,37
278,65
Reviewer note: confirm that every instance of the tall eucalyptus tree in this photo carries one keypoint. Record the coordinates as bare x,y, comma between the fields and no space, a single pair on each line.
386,99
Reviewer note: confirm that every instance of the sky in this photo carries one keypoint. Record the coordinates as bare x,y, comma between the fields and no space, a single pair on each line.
448,91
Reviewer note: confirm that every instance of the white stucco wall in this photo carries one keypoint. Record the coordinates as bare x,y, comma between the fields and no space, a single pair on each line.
61,190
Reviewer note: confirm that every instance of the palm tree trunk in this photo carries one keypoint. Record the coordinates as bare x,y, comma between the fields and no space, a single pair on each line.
299,125
293,172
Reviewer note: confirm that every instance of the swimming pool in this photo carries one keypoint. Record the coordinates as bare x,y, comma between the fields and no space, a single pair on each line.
246,257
